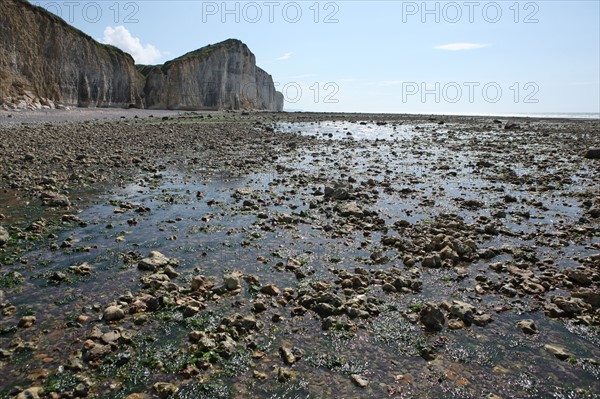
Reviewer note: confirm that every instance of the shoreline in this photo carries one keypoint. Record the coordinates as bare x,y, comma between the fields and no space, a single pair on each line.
13,117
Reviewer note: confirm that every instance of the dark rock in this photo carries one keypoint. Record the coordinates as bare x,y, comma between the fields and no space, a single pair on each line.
432,317
592,153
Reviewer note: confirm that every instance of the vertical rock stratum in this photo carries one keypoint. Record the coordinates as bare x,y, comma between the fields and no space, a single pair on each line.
45,62
218,76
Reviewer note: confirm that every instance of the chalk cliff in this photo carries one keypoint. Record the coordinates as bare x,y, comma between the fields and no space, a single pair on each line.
44,61
218,76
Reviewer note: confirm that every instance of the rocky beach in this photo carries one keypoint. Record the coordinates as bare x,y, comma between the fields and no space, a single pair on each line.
242,254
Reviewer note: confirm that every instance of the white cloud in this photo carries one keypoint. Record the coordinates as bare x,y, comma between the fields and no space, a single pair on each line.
120,37
286,56
461,46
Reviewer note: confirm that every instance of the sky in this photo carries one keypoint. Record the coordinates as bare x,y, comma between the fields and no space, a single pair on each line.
454,57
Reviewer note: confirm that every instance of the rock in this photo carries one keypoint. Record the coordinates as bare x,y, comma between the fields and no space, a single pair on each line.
3,236
463,311
285,375
153,262
432,261
165,389
448,253
592,153
527,326
336,193
113,313
100,76
290,356
579,276
482,320
50,198
233,281
594,212
350,209
222,75
259,375
93,351
270,290
31,393
85,269
558,351
27,321
589,296
531,287
432,317
199,282
455,324
110,337
571,306
359,380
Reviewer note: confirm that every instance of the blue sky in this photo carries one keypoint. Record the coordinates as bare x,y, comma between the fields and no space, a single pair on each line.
469,57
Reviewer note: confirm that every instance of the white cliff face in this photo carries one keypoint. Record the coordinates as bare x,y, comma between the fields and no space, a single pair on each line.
44,61
221,76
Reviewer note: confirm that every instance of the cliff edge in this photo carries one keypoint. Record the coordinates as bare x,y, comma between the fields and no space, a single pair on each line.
218,76
45,62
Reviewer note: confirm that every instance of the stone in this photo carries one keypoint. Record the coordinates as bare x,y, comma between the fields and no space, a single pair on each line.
110,337
579,276
336,193
463,311
432,317
50,198
571,306
270,290
592,153
558,351
165,389
350,209
482,320
113,313
259,375
589,296
448,253
532,287
455,324
288,355
153,262
199,282
27,321
31,393
432,261
285,374
359,380
3,236
527,326
233,281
